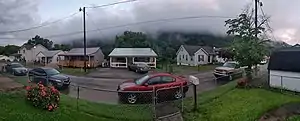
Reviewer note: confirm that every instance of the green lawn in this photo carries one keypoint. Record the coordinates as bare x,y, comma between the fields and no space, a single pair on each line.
14,108
294,118
75,71
230,104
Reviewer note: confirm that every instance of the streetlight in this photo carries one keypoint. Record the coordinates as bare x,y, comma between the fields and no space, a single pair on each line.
34,56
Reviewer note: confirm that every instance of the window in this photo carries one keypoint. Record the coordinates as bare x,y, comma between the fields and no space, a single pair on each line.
141,80
167,79
52,71
200,58
192,58
24,51
186,57
179,57
154,81
182,56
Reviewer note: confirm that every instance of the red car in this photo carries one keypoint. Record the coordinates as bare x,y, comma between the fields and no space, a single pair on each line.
165,85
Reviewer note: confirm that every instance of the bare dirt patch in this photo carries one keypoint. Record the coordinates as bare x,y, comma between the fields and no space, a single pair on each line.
7,84
282,113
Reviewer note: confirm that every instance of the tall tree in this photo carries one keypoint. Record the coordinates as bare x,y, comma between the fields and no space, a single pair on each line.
132,40
248,50
64,47
39,40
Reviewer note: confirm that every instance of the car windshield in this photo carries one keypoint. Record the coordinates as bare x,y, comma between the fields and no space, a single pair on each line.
142,80
16,65
230,65
142,65
51,71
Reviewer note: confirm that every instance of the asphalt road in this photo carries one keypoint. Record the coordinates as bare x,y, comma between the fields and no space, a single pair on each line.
104,89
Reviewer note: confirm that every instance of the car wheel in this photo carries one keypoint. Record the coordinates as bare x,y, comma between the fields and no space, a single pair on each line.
132,98
230,78
178,94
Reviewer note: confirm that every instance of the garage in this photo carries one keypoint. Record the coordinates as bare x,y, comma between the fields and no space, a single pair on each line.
284,69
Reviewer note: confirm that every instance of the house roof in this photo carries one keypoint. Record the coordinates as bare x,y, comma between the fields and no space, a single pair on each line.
133,52
28,47
80,51
285,60
192,49
50,53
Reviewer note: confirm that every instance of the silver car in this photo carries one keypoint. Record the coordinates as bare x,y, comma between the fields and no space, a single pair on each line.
139,67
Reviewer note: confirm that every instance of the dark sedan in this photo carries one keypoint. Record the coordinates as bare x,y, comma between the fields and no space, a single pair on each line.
139,67
16,69
49,76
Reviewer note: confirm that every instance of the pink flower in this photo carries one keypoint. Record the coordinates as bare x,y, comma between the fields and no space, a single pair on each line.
28,88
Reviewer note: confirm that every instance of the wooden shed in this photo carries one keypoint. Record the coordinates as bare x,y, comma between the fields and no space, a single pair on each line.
284,69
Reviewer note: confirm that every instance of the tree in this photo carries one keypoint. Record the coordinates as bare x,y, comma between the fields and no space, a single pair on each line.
38,40
9,49
248,49
63,47
131,39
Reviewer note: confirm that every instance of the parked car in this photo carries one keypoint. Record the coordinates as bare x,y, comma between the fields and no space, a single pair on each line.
167,86
229,70
139,67
49,76
16,69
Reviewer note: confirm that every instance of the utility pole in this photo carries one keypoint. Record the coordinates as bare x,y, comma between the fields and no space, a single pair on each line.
84,37
256,19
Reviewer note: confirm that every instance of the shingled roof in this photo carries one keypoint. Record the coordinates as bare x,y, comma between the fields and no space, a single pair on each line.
285,60
192,49
80,51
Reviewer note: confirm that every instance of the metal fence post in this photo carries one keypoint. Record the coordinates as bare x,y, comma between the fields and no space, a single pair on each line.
154,102
195,97
77,97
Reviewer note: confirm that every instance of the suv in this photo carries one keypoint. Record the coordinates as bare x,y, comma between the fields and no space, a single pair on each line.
49,76
229,70
139,67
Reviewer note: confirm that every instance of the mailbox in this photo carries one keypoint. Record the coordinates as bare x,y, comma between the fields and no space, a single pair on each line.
194,80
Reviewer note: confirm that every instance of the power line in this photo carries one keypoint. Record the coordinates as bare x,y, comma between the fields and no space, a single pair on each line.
138,23
120,2
39,26
267,24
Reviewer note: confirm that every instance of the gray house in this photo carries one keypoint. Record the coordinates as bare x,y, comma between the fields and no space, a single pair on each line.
195,55
75,57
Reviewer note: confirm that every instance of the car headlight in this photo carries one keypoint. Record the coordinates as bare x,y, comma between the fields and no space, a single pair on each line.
58,81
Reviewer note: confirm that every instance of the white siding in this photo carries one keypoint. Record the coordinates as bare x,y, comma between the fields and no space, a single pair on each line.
30,55
200,62
99,57
285,80
55,57
183,57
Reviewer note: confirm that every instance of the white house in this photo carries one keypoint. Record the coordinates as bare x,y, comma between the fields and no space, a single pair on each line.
284,69
6,58
194,55
121,57
49,56
29,52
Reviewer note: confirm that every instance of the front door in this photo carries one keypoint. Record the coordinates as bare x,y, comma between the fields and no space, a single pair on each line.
209,59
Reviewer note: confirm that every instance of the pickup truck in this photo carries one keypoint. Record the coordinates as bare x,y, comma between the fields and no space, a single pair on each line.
229,70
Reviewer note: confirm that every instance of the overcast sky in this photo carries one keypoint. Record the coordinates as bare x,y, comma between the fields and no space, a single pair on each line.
20,14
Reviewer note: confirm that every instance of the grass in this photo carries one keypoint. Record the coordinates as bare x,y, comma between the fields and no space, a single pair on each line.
75,71
294,118
14,108
231,104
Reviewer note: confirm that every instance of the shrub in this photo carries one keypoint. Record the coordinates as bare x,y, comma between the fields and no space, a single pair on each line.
45,97
242,83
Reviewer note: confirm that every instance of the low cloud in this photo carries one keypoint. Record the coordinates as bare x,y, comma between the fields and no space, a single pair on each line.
284,19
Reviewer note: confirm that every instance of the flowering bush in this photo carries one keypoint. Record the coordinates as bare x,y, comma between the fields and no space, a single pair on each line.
242,83
45,97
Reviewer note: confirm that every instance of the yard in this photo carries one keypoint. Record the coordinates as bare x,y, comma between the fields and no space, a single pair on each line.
14,108
228,103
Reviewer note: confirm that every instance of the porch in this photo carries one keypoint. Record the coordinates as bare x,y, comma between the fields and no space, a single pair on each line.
122,62
77,61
